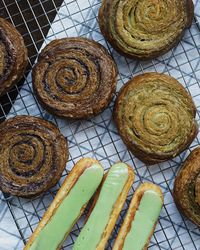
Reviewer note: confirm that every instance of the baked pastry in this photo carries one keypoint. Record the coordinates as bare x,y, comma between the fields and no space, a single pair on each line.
141,218
13,56
74,78
67,206
155,117
106,207
187,187
33,155
144,29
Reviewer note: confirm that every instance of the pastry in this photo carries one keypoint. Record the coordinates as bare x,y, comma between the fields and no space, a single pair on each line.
33,155
155,117
145,29
67,206
141,218
187,187
74,78
13,56
107,205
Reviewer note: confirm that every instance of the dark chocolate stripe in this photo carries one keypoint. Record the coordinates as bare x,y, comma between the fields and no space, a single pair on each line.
9,57
41,163
92,58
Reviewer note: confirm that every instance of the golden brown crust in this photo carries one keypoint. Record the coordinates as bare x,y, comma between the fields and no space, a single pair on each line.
67,185
116,209
126,226
33,155
155,117
144,30
187,187
13,56
74,78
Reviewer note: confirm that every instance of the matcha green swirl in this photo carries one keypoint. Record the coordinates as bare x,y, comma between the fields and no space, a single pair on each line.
145,28
155,117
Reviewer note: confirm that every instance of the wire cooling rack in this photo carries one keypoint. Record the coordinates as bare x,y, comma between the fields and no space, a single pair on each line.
97,137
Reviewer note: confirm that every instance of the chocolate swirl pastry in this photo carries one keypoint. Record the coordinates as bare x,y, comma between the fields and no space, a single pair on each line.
74,78
155,117
145,29
13,56
33,155
187,187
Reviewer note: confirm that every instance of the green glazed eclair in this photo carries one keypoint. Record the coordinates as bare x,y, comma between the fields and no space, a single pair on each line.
67,206
141,218
107,205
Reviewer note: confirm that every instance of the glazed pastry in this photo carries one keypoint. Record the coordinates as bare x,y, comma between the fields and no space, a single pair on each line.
74,78
13,56
67,206
187,187
107,205
144,29
155,117
33,155
141,218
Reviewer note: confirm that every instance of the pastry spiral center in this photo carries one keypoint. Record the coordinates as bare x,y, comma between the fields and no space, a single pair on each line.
157,120
68,77
23,152
71,77
27,154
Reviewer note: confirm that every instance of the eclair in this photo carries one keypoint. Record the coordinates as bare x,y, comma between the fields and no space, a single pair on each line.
108,202
141,218
67,206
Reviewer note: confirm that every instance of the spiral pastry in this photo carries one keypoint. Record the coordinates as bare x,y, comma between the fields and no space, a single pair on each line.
155,117
13,56
74,78
147,28
187,187
33,155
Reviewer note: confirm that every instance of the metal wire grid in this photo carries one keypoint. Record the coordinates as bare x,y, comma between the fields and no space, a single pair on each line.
98,137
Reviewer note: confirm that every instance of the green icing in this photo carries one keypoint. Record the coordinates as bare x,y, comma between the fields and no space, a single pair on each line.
60,223
144,220
110,191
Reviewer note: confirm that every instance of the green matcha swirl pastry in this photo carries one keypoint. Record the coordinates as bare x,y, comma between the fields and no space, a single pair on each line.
187,187
155,117
147,28
74,78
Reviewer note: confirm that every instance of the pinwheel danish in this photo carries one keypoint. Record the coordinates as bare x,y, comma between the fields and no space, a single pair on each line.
155,117
33,155
144,29
13,56
74,78
187,187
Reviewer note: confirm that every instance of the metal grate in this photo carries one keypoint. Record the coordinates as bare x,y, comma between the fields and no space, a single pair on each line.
98,137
